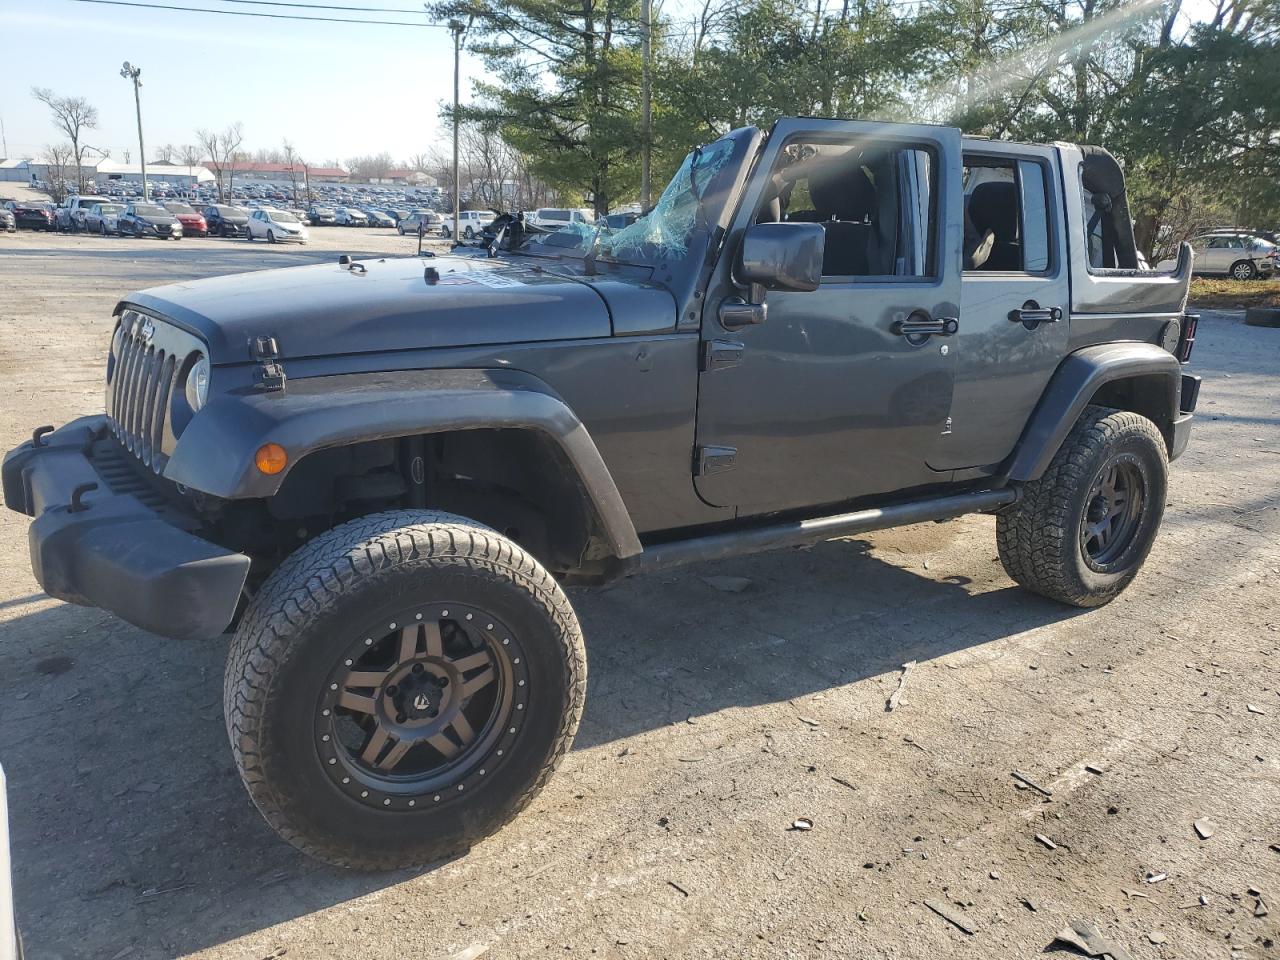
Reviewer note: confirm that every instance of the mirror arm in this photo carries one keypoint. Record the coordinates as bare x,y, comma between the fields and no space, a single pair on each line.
736,313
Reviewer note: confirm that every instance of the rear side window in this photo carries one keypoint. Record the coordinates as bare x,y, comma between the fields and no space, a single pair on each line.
1006,216
876,201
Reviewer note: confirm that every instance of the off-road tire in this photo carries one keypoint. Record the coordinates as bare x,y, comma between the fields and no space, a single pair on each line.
293,632
1040,537
1262,317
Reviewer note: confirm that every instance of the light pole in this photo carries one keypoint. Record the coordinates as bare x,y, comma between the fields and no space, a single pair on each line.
133,73
457,29
646,101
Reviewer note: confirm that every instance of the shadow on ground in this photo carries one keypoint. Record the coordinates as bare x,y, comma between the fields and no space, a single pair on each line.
130,826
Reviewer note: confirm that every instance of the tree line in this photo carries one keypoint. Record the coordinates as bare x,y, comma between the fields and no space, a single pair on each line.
1187,102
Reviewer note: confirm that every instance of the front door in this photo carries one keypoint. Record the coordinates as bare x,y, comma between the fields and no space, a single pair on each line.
1014,300
838,395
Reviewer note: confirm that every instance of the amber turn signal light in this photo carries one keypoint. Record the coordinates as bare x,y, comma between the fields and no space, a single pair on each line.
271,458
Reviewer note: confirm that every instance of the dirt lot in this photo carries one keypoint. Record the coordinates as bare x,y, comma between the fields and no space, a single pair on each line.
714,721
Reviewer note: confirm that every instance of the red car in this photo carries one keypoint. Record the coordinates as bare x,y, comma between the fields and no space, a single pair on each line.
193,224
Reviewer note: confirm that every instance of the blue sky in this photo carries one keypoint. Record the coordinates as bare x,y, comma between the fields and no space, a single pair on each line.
335,90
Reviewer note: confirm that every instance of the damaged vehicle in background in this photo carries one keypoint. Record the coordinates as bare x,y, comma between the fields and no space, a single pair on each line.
381,474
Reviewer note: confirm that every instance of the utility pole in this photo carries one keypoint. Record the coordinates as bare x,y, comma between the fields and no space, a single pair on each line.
457,29
646,101
133,73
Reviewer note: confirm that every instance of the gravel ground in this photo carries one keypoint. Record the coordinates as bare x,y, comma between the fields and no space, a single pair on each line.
714,721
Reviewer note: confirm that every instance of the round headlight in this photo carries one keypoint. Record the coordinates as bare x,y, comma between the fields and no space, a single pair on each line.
197,389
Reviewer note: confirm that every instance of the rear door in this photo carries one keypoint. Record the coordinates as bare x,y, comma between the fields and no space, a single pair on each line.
830,399
1014,300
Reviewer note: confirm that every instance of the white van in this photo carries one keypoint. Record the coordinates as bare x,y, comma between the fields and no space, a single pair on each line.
551,217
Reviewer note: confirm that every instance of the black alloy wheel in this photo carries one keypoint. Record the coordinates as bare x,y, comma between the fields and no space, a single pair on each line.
412,711
1112,515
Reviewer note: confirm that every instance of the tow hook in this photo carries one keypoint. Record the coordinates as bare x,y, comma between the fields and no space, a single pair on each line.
37,435
77,505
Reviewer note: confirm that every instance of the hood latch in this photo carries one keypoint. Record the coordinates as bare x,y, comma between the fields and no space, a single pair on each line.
267,352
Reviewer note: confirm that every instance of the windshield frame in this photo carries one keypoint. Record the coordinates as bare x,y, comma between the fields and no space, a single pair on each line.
596,241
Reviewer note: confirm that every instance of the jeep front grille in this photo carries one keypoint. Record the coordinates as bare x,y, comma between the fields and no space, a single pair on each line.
148,359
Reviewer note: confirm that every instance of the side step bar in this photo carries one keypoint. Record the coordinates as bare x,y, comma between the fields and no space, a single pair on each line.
796,533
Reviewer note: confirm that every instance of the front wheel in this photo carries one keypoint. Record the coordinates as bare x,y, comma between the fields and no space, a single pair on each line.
1243,270
444,232
401,687
469,234
1081,533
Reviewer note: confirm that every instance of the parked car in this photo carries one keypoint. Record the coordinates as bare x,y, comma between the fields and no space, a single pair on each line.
225,220
8,222
379,219
320,215
551,217
10,938
428,220
472,223
33,214
104,218
1241,256
350,217
276,226
403,461
193,222
69,215
149,220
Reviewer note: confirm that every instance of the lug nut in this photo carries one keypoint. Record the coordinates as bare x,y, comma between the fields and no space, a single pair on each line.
442,681
392,690
399,718
417,668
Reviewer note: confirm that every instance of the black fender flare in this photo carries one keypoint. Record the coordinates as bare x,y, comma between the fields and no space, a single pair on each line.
215,453
1074,384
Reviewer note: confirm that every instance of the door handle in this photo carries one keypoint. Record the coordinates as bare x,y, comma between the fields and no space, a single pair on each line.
1031,314
920,326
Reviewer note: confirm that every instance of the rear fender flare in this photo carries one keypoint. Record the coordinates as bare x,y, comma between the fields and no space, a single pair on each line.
215,453
1075,384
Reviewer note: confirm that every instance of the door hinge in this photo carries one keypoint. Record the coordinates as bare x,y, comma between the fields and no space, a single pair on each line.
720,353
710,460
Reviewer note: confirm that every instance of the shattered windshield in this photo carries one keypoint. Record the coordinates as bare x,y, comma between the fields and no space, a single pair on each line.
664,232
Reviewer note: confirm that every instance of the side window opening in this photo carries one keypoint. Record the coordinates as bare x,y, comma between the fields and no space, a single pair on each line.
876,202
1107,227
1006,215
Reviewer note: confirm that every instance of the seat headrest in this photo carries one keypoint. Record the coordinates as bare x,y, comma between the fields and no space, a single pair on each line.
994,206
842,193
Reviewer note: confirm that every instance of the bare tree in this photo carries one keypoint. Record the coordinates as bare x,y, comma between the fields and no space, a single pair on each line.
419,162
294,161
72,115
58,157
165,153
222,151
190,154
373,167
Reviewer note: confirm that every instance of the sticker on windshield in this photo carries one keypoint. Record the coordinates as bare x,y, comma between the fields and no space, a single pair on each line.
491,278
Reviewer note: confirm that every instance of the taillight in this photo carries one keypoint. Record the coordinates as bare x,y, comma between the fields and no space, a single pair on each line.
1190,321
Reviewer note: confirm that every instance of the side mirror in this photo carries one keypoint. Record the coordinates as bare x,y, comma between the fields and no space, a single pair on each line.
783,256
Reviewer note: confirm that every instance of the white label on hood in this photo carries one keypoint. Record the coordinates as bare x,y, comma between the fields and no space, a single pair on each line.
492,278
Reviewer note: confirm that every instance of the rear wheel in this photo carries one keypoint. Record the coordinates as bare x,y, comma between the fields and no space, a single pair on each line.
271,236
469,234
1243,270
444,232
401,687
1081,533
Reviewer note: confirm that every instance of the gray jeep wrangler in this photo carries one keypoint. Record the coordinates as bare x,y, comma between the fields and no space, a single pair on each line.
381,473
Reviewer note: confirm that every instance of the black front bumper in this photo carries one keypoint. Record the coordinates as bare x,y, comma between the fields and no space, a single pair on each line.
113,550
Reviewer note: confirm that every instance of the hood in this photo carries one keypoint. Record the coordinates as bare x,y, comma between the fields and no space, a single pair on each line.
189,218
166,221
330,309
235,218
